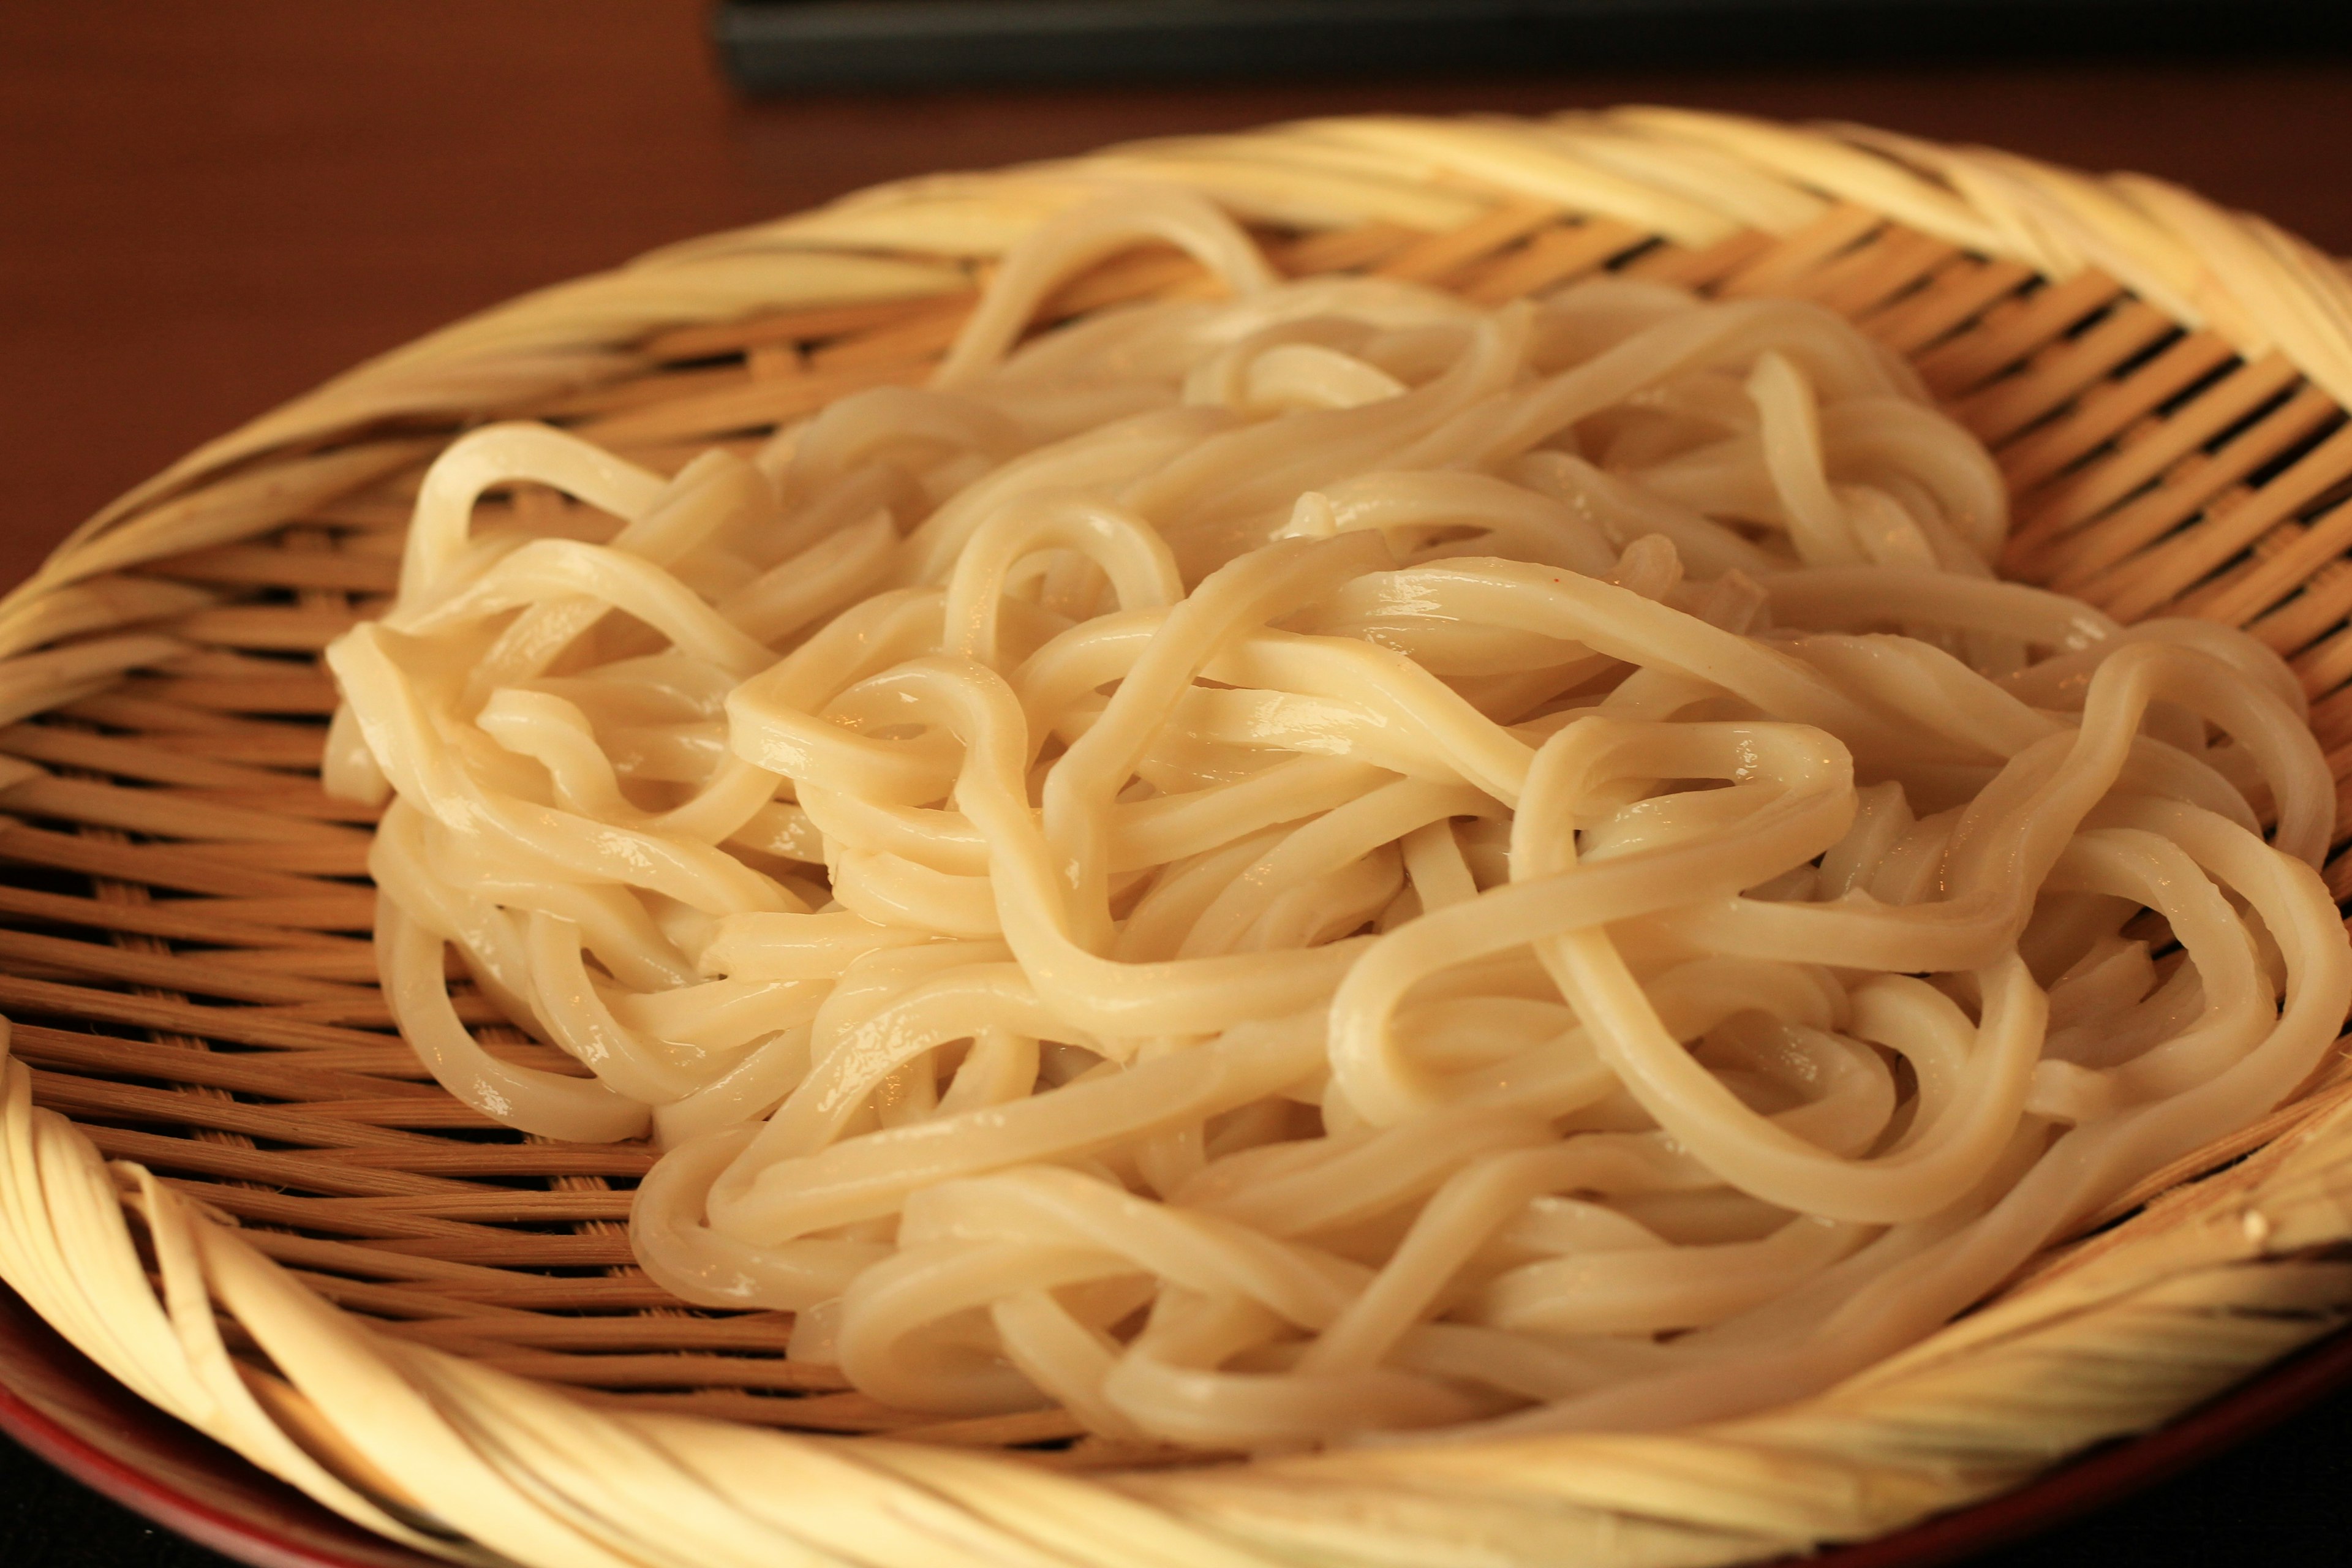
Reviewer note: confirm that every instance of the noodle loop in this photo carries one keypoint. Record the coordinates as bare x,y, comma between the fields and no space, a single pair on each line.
1332,862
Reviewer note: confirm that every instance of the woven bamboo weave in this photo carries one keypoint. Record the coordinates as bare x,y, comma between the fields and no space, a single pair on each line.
226,1180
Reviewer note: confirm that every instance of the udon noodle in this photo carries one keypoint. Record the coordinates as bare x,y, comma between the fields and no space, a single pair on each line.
1326,860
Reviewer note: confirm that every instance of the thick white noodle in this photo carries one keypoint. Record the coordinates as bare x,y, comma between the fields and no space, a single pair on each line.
1331,862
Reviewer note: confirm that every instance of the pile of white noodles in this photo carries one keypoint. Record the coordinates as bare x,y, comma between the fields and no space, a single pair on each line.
1334,860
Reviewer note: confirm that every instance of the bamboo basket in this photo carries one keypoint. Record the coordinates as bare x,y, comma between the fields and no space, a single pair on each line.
226,1180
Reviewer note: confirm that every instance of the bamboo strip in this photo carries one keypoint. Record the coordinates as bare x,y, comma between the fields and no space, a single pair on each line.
176,1108
669,1368
841,1415
165,722
501,1161
221,512
2172,566
381,1224
2194,483
2100,415
1890,266
228,663
243,1025
264,566
905,351
2061,372
165,920
2324,667
299,798
372,1275
2011,332
2331,718
366,1009
1152,272
165,970
398,1304
397,1110
1778,267
393,1059
818,324
623,395
1955,296
754,405
757,1332
2326,597
286,1168
348,962
1700,270
329,909
284,628
312,857
996,1431
250,1072
304,695
279,748
2304,552
1433,258
495,1206
1360,247
134,759
452,1278
200,825
1553,260
514,1249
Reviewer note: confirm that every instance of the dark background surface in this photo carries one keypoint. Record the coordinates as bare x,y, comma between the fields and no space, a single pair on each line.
205,209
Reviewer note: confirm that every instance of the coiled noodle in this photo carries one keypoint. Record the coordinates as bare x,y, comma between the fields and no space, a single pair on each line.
1329,860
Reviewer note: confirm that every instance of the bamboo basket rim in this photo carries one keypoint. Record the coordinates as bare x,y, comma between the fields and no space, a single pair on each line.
2207,1281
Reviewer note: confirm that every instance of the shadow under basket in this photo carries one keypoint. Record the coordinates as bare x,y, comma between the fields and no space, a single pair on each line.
306,1248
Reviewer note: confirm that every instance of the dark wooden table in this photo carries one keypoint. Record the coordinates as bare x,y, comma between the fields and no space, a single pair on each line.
205,209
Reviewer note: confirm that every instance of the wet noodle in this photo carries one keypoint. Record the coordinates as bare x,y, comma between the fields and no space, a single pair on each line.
1334,860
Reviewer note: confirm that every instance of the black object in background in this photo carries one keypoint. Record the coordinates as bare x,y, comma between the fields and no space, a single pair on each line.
804,46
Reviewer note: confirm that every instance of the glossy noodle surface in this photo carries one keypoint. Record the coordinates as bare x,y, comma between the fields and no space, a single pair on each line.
1332,862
